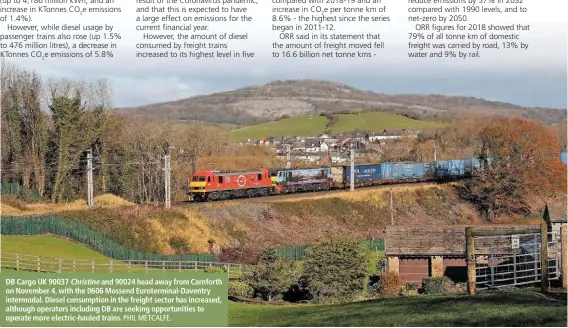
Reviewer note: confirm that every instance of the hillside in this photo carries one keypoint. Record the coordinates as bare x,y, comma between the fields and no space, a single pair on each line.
316,124
255,104
245,227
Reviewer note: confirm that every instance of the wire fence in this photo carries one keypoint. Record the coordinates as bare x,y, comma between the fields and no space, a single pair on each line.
48,224
297,253
12,188
34,263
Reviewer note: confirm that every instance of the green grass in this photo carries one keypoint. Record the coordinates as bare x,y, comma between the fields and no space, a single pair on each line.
490,309
300,125
48,246
314,125
377,122
75,257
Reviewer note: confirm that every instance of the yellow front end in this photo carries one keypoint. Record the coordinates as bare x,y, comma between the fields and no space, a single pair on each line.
274,179
197,187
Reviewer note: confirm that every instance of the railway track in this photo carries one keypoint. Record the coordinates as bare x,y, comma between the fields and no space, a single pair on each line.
306,194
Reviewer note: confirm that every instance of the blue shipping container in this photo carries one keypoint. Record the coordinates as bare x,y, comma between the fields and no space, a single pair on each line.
402,171
429,169
363,173
305,176
453,167
471,165
564,157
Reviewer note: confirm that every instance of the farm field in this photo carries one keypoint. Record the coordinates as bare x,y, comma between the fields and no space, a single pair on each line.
300,125
511,309
377,122
315,124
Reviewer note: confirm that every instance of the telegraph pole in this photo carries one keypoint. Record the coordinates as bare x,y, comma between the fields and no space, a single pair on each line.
90,200
352,169
167,176
435,151
391,212
288,163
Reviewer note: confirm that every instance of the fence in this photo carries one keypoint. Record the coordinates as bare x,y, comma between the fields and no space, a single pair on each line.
296,253
38,225
515,256
11,188
59,265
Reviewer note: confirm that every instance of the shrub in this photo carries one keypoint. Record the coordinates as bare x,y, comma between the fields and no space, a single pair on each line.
214,269
409,290
240,289
390,284
272,276
336,270
458,288
437,285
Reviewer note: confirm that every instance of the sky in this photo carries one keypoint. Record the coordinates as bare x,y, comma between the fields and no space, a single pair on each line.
533,77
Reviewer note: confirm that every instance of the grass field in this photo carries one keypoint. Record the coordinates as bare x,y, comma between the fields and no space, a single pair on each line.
300,125
314,125
77,258
48,246
377,122
492,309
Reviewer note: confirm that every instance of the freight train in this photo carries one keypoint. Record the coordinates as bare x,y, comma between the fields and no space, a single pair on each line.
215,185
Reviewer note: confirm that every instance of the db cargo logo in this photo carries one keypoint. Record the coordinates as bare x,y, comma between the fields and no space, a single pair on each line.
241,180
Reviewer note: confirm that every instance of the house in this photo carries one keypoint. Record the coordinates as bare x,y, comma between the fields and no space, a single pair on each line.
555,217
416,252
313,145
374,137
299,146
338,157
324,147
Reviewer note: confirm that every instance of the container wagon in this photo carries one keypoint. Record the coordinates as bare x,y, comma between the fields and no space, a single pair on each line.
365,175
449,169
402,171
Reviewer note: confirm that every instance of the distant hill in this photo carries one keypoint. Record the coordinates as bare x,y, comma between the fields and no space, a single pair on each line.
257,104
312,125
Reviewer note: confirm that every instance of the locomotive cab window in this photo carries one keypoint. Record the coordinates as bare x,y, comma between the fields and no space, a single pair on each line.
208,179
220,179
260,177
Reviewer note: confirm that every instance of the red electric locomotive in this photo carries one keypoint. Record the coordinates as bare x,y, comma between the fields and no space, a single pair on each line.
213,185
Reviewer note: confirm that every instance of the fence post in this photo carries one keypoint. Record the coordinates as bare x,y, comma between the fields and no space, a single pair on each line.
93,265
74,265
146,266
179,265
492,268
38,264
111,266
544,257
195,264
129,264
537,258
515,269
163,266
470,253
564,255
17,262
59,269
